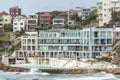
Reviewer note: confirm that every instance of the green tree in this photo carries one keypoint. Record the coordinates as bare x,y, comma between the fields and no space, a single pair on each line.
76,18
20,33
54,13
115,15
37,28
8,27
92,16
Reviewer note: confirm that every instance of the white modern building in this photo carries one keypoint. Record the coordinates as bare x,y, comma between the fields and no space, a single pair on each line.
84,12
19,23
105,8
58,22
88,43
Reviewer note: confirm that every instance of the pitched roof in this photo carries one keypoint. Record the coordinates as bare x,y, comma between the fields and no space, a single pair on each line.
3,13
45,14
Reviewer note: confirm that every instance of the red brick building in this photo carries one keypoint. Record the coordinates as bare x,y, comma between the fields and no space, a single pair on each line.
45,19
15,11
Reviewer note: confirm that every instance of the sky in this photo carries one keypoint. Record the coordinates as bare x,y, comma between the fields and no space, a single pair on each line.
34,6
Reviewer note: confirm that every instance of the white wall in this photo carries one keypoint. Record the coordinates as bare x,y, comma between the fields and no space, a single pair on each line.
18,23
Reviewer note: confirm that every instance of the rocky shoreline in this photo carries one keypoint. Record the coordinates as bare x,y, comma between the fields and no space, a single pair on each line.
12,69
61,71
81,71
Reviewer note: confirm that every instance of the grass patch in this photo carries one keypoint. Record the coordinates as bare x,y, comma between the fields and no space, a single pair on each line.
5,36
106,59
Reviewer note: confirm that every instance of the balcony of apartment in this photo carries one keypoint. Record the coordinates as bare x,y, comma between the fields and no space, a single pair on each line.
32,22
115,1
117,8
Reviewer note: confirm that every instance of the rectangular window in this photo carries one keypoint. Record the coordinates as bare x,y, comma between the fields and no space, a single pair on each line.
15,23
33,41
102,34
24,47
109,41
96,34
21,23
29,47
24,41
103,41
29,41
33,47
96,41
109,34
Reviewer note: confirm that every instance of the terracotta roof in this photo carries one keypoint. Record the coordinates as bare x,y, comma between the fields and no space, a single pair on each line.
3,13
45,14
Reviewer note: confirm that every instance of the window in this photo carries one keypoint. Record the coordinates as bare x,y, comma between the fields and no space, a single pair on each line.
102,34
21,23
33,47
15,27
24,41
109,41
104,9
6,20
96,41
15,23
29,41
96,34
109,34
29,47
24,47
33,41
103,41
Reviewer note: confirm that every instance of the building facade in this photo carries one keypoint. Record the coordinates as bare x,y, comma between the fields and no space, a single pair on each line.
5,18
15,11
84,44
45,19
19,23
84,12
105,8
69,14
31,22
58,22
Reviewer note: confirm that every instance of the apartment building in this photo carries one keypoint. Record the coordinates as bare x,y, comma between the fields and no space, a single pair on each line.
15,11
58,22
45,19
69,14
85,44
19,22
84,12
105,8
31,22
5,18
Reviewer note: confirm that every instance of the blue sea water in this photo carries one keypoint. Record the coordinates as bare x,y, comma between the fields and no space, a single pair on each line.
34,75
